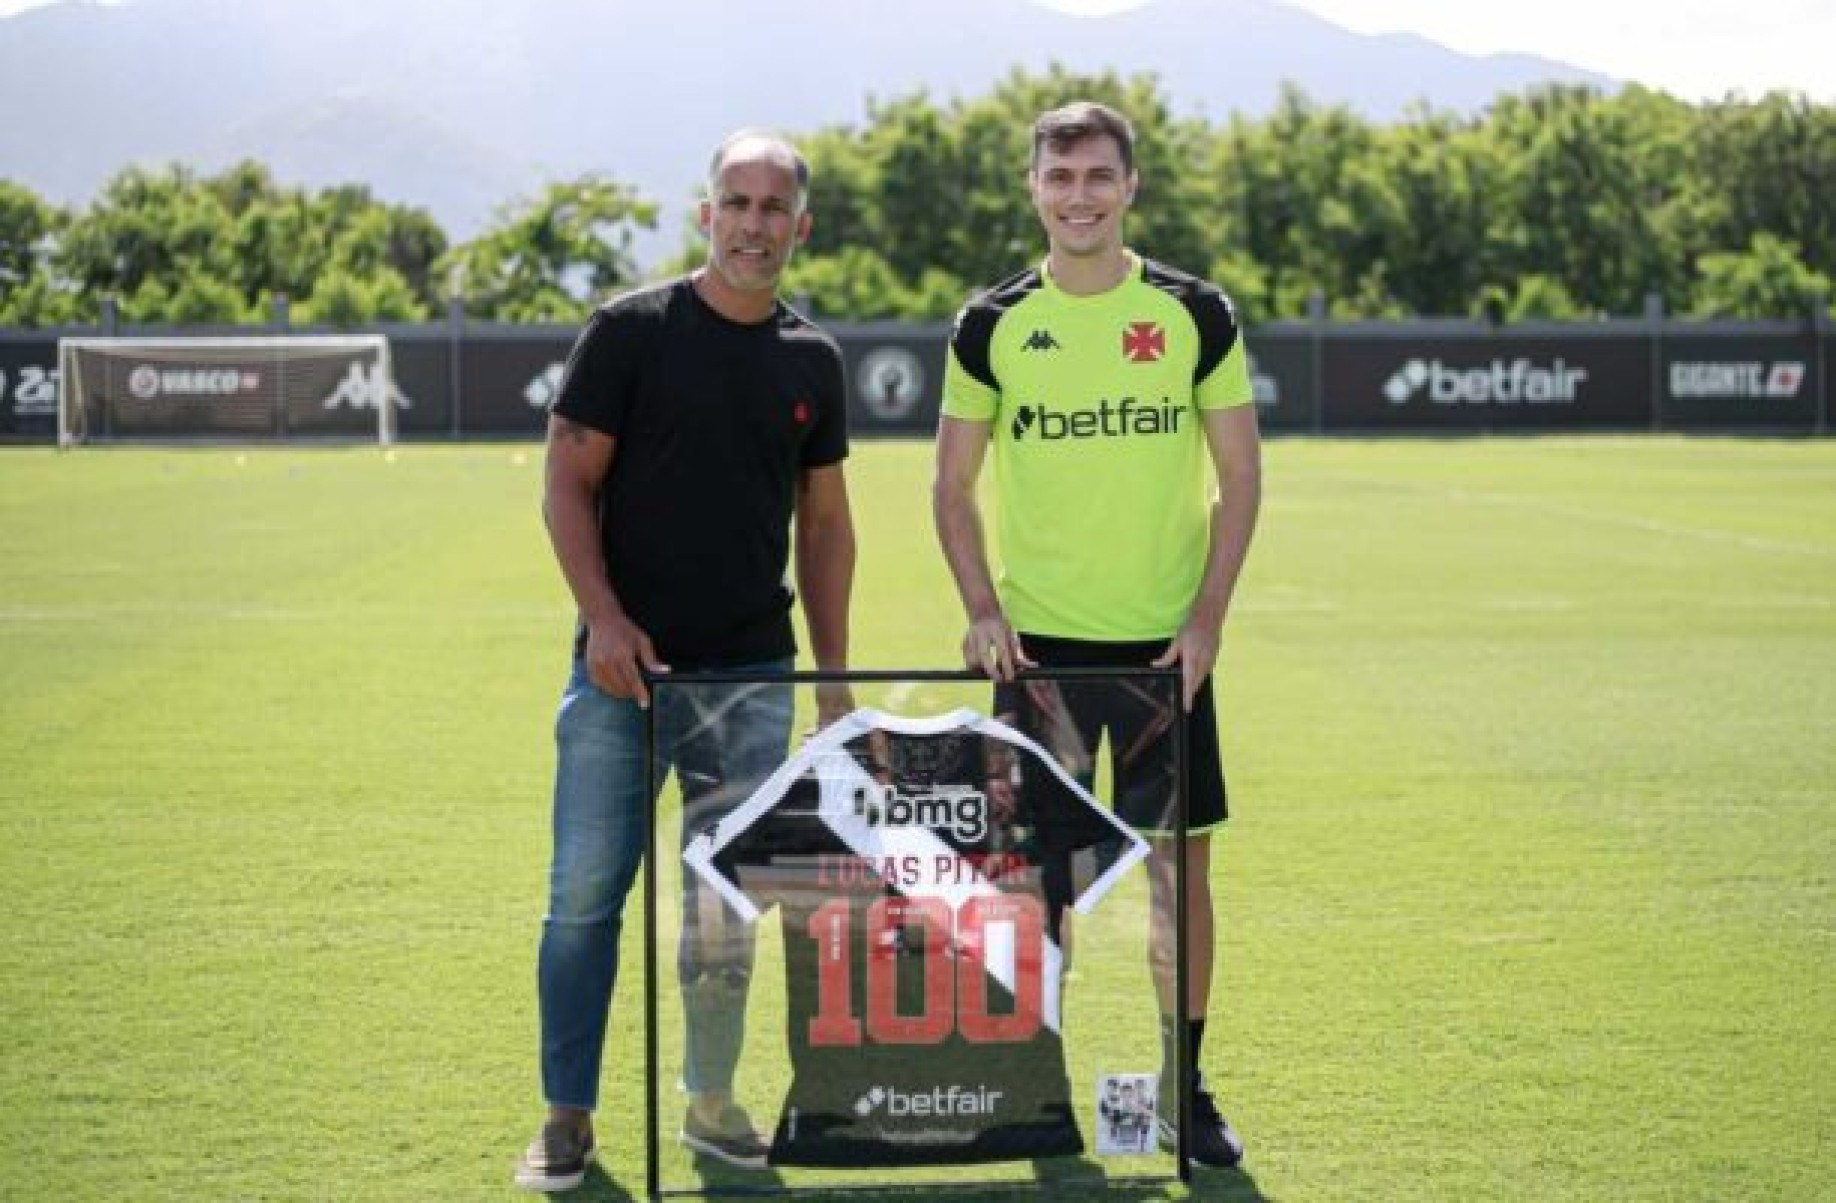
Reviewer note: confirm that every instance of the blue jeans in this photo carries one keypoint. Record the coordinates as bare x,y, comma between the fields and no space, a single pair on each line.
722,741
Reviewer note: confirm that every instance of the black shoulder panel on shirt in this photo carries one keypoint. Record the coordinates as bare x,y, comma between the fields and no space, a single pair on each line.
650,300
799,328
975,325
1211,310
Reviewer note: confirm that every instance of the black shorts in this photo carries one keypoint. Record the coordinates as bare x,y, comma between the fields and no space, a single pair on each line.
1069,719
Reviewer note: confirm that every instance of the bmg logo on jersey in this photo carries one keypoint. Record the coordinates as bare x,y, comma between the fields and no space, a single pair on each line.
957,809
1109,420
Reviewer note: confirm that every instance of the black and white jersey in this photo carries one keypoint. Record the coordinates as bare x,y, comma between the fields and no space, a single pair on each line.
913,871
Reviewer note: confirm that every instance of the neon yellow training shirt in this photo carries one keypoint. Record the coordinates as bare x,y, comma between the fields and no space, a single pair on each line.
1100,464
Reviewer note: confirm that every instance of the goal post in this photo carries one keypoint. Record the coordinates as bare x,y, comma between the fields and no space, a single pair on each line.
234,387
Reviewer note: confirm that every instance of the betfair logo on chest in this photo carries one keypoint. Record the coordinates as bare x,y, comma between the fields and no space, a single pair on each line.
1109,420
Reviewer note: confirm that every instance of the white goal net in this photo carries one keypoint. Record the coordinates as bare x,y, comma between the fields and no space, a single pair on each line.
306,386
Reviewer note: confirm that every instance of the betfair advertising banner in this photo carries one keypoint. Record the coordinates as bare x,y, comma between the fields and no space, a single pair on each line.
497,381
1486,383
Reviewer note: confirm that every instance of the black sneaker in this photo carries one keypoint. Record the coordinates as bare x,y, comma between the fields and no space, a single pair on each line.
1211,1140
556,1159
733,1139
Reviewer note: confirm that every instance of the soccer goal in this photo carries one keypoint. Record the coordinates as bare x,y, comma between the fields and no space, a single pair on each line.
276,387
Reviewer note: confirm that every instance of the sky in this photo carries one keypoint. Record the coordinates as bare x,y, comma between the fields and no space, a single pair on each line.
1696,49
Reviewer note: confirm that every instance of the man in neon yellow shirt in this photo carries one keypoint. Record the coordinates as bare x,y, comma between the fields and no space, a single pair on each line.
1105,382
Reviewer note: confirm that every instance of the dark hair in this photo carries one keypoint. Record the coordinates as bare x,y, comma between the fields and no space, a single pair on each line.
800,166
1063,128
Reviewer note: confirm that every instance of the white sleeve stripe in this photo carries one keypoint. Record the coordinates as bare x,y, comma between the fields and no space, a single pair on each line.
697,856
1138,847
701,851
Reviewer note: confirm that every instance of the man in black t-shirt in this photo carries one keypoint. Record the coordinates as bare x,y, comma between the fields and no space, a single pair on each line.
697,421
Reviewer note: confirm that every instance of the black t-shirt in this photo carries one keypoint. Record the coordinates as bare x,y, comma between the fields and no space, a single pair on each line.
712,422
922,975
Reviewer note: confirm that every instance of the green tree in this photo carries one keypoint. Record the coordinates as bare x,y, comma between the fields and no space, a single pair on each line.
184,249
29,293
203,300
1770,168
841,196
345,297
855,282
394,247
1585,203
1768,279
553,258
1428,190
1279,192
148,231
939,192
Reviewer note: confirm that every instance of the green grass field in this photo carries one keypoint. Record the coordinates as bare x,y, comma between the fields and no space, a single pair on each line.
1530,891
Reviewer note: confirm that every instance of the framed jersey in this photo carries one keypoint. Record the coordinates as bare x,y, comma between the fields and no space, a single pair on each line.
940,921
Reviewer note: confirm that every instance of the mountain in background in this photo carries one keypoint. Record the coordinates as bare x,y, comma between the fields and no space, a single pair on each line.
464,105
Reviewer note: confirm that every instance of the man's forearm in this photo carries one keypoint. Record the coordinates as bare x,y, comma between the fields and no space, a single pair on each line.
1233,524
959,531
825,580
572,518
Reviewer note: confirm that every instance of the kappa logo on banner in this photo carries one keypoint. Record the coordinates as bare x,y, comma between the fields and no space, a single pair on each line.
361,389
1739,381
1501,382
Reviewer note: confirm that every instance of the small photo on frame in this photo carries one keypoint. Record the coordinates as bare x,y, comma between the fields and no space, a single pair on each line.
1125,1114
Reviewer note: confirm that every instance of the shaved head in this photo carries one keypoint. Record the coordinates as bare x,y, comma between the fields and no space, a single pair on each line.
760,146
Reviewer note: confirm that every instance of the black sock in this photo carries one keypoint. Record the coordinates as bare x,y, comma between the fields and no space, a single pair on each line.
1169,1056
